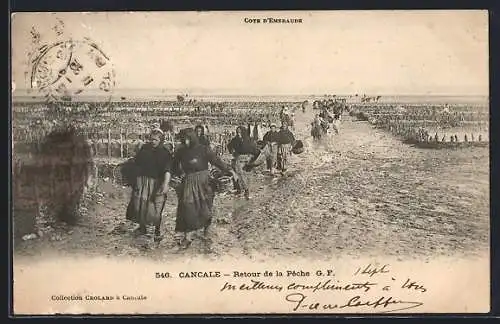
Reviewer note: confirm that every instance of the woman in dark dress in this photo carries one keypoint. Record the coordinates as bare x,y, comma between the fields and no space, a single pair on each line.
286,140
195,193
152,170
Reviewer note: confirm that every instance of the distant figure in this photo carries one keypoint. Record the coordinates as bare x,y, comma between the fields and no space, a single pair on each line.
255,133
305,103
284,111
286,116
427,136
319,127
456,138
167,126
480,138
325,114
465,138
200,133
337,111
436,138
452,139
155,126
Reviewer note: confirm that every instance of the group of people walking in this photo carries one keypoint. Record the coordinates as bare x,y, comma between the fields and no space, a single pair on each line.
322,121
158,165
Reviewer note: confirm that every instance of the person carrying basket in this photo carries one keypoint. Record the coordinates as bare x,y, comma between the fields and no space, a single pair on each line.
286,140
243,150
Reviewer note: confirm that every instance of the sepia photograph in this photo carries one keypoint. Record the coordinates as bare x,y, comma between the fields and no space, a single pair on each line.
250,162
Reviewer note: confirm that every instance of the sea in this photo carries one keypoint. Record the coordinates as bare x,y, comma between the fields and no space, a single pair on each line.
137,95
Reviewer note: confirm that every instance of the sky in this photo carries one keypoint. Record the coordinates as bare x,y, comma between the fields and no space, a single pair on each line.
374,52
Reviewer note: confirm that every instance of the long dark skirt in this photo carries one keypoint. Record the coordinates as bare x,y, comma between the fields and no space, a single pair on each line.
318,131
147,202
196,199
271,155
282,157
238,164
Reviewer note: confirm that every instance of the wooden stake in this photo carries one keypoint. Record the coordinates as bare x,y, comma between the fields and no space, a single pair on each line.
126,142
36,194
109,143
121,144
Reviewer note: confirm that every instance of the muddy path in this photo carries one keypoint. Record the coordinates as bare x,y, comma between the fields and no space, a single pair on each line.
361,192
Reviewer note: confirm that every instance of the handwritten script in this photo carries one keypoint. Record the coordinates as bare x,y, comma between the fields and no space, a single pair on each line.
371,288
384,303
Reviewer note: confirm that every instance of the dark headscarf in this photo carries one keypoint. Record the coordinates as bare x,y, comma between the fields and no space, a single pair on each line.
200,127
191,135
243,131
167,126
181,135
157,132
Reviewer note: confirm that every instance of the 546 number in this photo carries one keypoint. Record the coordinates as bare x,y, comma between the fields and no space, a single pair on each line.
162,275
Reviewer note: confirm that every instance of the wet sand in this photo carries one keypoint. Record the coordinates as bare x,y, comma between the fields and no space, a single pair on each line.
363,192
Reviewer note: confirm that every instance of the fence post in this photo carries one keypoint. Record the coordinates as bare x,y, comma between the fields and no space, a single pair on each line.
37,143
17,178
51,177
109,143
37,197
96,174
126,142
72,163
121,144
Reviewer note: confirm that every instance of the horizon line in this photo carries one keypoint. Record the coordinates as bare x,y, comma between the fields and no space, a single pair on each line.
182,93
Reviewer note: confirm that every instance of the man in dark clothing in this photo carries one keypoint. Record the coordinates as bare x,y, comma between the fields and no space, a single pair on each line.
243,150
200,133
270,140
285,143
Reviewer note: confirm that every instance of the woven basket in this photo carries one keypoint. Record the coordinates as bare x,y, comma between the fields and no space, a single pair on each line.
175,182
298,147
127,173
224,184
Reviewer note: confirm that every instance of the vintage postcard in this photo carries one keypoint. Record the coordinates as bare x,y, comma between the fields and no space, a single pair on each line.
319,162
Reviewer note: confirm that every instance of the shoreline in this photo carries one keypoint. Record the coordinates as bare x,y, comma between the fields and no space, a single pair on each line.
131,96
418,100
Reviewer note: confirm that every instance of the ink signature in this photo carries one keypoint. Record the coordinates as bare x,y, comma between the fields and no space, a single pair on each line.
386,304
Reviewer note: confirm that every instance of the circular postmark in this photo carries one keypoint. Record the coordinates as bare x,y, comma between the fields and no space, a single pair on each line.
73,71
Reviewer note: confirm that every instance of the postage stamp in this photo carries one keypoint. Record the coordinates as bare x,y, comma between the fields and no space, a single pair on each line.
67,69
